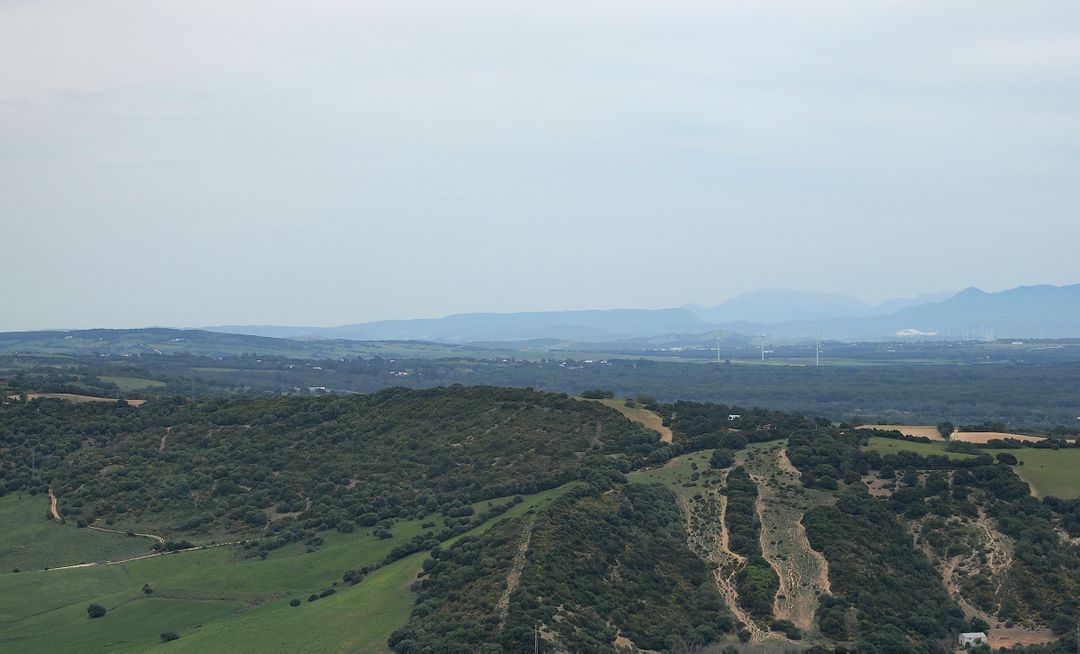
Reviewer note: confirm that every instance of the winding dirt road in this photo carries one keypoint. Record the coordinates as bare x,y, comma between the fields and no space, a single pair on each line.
144,556
117,531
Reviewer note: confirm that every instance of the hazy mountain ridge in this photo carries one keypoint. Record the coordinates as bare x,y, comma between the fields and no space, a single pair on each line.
1022,312
1042,311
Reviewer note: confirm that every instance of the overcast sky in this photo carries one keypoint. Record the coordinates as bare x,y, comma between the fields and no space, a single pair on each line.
196,163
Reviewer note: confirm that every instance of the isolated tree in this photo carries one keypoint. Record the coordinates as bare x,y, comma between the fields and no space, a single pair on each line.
95,610
722,458
946,429
1006,458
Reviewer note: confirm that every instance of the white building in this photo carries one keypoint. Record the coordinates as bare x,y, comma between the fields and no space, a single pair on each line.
972,638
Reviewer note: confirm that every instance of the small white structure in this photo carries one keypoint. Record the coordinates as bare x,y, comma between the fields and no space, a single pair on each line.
736,416
972,638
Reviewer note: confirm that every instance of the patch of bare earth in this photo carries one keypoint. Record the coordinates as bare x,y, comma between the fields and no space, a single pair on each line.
1007,637
879,487
52,506
624,645
991,553
653,422
161,446
513,577
643,417
803,572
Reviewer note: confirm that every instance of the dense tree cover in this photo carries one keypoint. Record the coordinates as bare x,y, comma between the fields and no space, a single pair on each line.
757,582
1069,511
1042,582
702,425
1019,393
897,599
299,463
628,572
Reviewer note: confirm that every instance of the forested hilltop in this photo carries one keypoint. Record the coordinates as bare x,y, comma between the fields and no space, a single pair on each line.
466,519
295,464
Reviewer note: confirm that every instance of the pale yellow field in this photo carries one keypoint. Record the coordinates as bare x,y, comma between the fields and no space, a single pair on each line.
986,436
917,431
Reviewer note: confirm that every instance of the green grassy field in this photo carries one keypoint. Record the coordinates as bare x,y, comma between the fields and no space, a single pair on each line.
30,541
215,599
126,384
1048,472
678,473
892,446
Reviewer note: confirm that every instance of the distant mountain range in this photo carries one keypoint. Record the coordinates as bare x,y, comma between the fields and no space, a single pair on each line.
784,316
1023,312
772,306
590,325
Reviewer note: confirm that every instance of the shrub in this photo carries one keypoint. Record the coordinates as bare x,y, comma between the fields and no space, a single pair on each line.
294,602
722,458
167,636
598,394
95,610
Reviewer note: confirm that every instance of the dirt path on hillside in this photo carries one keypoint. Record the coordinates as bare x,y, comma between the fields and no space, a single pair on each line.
117,531
144,556
502,608
802,571
991,553
999,558
52,506
707,537
161,447
785,464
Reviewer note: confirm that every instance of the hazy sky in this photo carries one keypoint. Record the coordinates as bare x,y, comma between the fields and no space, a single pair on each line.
195,163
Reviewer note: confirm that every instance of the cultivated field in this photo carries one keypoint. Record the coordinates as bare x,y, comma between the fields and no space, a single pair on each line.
987,436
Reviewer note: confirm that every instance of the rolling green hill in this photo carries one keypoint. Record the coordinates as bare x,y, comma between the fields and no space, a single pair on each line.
468,519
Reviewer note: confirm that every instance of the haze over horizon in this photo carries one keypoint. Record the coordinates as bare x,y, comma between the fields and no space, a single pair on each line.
333,163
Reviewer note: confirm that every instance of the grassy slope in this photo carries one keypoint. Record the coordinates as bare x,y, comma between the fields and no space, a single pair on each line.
891,446
30,542
126,384
45,611
675,473
1049,472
